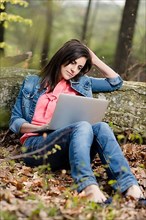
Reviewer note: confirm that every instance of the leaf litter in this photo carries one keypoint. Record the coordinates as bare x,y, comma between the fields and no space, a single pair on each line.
39,194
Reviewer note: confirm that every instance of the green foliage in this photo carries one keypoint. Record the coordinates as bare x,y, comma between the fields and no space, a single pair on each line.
102,33
35,213
44,172
3,152
142,166
30,196
13,2
112,182
111,124
121,137
57,147
13,18
5,215
132,137
23,149
111,214
43,168
127,136
92,206
135,137
7,18
52,211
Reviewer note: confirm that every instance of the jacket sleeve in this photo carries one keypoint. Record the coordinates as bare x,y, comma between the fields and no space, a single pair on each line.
17,119
106,84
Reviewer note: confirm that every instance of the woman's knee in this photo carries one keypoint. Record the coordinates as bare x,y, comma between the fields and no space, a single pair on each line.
83,128
84,125
102,128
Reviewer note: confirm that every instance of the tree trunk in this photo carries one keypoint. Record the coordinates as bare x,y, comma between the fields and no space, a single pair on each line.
93,21
85,25
127,106
47,34
125,38
2,32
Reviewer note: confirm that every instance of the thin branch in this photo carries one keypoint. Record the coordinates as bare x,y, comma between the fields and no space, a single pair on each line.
38,150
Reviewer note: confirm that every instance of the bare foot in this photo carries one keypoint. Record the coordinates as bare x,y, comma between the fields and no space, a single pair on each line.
135,192
93,193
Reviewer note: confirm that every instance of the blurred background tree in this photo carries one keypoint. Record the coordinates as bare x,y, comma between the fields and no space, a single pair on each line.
98,23
125,37
85,25
6,18
2,29
47,33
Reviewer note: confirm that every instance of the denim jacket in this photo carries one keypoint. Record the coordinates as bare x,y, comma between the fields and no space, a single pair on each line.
29,93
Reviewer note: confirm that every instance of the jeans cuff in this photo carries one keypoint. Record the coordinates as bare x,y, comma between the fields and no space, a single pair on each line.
123,187
84,184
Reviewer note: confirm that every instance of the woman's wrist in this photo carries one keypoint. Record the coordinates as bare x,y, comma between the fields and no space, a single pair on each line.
27,127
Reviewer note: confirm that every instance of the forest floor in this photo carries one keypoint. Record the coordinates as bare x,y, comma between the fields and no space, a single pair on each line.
39,194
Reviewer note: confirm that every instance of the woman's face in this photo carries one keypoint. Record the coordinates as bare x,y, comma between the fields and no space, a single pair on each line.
73,68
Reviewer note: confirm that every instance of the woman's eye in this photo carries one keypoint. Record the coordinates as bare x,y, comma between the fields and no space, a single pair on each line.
79,67
73,62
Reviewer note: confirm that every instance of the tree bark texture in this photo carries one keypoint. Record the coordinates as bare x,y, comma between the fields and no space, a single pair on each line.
126,110
85,25
126,34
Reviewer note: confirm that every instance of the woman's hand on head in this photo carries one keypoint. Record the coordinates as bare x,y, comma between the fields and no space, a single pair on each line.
101,66
93,56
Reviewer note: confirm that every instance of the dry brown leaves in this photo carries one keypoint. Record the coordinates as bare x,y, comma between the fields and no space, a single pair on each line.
27,193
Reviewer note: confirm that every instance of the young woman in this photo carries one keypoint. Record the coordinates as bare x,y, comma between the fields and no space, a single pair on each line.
81,141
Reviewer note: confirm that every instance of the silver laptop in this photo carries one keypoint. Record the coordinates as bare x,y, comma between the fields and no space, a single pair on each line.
71,108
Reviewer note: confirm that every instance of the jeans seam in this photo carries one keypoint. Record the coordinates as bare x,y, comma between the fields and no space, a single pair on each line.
111,170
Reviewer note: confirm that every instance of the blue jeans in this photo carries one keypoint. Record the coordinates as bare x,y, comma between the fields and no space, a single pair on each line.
79,143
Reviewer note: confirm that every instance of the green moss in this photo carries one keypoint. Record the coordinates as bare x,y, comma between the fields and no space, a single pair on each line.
4,117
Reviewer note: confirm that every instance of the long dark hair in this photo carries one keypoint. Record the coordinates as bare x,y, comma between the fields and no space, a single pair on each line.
69,52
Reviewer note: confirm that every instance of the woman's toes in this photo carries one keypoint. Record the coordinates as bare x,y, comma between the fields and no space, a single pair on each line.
93,193
135,192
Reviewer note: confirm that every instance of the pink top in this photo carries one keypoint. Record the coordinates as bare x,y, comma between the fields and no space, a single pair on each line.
46,105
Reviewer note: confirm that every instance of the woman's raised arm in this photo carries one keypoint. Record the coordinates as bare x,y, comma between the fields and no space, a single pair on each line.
102,67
